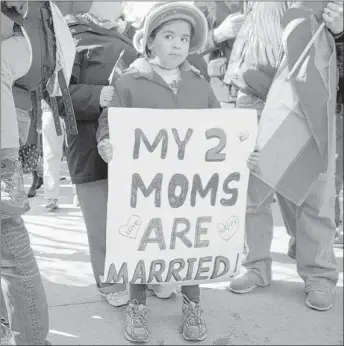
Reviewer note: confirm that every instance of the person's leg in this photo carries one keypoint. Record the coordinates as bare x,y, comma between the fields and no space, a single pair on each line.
52,153
316,262
5,326
339,169
93,202
76,202
338,241
21,283
289,211
259,234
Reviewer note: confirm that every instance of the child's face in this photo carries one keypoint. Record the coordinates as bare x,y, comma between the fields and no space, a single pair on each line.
170,46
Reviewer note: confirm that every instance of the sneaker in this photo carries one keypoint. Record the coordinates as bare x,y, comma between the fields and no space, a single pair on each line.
76,201
194,327
242,284
319,300
52,204
5,334
136,323
162,291
117,299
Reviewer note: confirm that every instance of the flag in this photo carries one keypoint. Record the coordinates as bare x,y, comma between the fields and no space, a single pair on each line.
297,127
118,69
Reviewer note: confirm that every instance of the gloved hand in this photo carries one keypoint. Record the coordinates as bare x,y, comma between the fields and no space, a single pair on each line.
105,150
106,96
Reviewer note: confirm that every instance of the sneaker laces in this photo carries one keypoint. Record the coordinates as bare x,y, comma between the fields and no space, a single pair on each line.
193,314
5,331
139,317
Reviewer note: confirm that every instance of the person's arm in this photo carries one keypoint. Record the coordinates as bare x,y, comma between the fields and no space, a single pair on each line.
227,30
85,98
333,18
120,99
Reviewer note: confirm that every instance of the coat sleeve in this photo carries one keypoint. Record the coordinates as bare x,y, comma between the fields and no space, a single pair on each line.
120,99
85,97
339,39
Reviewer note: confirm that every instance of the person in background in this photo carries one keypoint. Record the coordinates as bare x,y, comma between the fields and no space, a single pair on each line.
333,17
26,320
52,144
256,54
31,153
23,298
217,58
100,36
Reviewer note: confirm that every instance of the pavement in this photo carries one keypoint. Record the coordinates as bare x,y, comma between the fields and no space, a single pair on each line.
275,315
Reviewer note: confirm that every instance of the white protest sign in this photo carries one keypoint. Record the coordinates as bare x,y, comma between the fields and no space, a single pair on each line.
177,194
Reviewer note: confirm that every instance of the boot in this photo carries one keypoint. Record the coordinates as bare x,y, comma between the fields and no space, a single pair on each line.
37,182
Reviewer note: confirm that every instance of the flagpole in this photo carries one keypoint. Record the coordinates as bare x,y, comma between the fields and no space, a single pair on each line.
305,52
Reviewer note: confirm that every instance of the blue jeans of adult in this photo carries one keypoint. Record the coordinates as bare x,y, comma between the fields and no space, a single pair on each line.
21,283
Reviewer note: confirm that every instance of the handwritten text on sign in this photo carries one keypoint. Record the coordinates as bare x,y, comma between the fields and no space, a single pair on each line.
177,194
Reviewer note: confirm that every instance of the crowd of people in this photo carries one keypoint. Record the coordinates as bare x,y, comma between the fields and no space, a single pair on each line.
168,53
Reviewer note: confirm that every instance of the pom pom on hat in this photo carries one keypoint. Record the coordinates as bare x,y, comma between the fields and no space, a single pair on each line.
165,12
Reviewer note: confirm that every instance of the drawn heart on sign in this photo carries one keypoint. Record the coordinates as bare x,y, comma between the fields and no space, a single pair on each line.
243,136
132,227
228,229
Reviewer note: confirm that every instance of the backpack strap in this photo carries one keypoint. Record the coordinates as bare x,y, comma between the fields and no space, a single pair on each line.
12,14
68,105
56,115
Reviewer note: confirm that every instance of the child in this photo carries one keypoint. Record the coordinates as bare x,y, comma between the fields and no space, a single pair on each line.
163,79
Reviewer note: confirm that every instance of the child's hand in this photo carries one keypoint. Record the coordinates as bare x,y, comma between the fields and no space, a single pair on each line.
105,150
106,96
253,160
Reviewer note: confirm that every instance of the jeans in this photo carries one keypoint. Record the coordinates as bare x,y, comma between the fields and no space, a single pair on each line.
311,225
21,284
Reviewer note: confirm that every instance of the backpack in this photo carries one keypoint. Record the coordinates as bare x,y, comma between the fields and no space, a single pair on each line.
39,28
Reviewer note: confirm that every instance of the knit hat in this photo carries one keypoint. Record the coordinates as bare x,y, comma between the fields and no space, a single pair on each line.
162,13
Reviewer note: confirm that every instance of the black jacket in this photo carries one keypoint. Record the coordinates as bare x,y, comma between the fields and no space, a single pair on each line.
97,51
